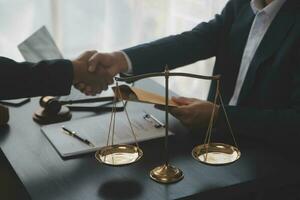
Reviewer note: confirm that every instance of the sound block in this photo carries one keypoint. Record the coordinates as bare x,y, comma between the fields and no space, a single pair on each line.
41,116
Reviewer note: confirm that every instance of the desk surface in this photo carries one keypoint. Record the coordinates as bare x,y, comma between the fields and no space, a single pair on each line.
46,175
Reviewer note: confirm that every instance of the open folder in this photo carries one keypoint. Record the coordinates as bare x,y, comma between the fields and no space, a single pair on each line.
95,130
126,92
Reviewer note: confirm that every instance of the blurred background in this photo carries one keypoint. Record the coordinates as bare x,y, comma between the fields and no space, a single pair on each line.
108,25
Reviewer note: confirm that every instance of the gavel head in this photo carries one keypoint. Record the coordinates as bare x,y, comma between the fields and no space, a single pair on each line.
50,104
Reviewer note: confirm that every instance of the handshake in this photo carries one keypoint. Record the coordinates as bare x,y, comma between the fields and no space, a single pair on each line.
93,71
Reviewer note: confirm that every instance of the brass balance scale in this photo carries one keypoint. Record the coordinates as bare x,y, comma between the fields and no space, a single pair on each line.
208,153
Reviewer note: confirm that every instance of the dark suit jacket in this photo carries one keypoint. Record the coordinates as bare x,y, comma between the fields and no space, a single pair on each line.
269,103
28,79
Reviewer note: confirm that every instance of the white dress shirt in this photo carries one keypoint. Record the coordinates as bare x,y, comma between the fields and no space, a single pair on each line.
129,63
262,21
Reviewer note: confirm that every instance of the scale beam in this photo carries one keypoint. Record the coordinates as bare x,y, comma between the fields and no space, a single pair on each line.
132,79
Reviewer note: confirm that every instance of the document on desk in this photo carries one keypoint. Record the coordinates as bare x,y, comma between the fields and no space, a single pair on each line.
95,130
39,46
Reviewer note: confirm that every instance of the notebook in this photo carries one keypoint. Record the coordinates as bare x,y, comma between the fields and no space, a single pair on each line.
95,129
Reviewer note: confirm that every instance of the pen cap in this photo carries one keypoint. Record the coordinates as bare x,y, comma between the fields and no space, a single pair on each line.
4,115
50,104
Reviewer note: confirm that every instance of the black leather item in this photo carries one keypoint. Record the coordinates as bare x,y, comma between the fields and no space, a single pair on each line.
4,115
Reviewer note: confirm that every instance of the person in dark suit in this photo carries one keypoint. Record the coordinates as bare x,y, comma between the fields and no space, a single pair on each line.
257,48
51,77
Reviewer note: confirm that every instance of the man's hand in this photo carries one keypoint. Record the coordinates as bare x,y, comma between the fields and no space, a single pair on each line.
87,82
105,65
193,113
114,63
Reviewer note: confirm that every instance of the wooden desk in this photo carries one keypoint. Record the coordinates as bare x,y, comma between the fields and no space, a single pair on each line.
47,176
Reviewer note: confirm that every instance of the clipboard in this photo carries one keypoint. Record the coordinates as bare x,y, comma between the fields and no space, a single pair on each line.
95,129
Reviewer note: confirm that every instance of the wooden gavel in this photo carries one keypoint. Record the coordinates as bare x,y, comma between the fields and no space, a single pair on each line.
52,105
52,110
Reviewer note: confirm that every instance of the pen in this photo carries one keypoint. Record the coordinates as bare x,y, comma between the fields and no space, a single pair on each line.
158,123
75,135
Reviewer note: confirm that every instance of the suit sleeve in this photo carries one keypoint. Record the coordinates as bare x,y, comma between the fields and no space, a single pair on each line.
53,77
202,42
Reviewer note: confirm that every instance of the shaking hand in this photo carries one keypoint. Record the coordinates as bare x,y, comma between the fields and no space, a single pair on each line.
97,70
87,82
114,63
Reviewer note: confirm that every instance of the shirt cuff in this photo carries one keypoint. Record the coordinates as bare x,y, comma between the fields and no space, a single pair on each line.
129,63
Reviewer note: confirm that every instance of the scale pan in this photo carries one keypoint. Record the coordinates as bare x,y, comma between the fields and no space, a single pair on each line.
216,153
118,155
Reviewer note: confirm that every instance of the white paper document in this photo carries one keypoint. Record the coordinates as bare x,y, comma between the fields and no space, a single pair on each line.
95,129
39,46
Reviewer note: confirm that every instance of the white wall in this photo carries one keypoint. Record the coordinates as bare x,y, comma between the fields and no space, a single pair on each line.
106,25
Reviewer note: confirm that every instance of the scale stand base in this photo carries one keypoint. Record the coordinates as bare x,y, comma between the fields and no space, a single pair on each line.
166,174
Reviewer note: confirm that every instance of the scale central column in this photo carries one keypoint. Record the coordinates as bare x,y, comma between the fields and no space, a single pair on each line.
166,173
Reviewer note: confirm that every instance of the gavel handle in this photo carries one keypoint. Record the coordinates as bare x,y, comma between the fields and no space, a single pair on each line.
92,100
